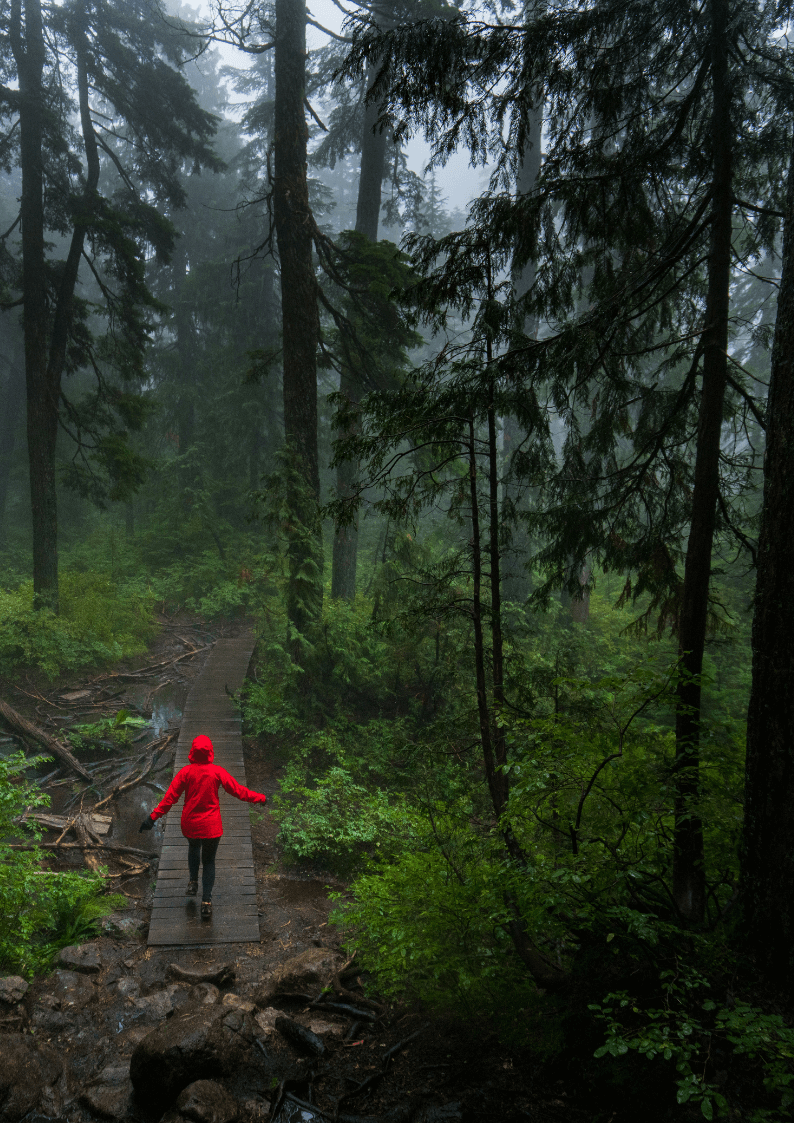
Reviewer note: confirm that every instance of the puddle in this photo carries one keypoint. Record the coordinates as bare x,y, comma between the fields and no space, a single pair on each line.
165,703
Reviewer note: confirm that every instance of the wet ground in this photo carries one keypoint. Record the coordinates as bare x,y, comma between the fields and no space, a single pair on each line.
449,1061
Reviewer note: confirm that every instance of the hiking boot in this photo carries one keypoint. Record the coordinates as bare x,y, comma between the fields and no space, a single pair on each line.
206,910
192,889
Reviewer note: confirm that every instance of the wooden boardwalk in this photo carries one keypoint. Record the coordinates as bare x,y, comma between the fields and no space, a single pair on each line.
175,918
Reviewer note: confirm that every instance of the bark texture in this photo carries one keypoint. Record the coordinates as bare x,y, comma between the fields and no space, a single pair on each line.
27,43
688,871
768,853
13,400
373,161
300,319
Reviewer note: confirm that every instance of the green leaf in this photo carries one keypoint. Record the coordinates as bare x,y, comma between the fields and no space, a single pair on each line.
707,1108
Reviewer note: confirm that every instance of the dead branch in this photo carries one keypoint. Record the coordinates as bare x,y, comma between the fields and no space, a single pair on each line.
355,999
85,835
100,824
150,670
16,721
112,847
125,786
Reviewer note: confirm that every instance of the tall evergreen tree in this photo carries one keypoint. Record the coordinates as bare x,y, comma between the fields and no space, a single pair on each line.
768,858
100,185
657,116
300,319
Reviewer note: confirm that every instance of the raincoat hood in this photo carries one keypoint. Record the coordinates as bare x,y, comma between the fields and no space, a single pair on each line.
201,751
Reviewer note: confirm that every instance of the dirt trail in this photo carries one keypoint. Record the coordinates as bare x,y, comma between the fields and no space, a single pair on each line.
95,1020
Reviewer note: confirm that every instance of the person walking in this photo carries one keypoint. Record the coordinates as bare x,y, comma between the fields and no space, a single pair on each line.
201,815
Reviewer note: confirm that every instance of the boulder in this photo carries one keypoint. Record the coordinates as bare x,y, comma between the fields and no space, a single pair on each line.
204,1101
85,958
47,1017
202,1042
128,987
123,924
154,1007
73,991
307,973
32,1078
204,994
109,1093
238,1003
12,989
266,1019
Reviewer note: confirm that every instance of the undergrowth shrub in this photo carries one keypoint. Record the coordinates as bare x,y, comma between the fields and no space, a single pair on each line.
99,622
41,910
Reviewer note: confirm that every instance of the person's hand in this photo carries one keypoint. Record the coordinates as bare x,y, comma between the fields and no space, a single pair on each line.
146,825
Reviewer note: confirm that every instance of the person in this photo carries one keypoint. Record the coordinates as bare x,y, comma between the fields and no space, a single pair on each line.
201,815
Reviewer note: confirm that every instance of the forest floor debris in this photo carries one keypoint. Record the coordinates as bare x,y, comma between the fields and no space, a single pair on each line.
317,1047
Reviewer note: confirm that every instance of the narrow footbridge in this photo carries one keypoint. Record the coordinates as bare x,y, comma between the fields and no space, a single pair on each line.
211,710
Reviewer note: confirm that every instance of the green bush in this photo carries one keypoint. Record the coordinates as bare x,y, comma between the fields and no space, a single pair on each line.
40,911
99,623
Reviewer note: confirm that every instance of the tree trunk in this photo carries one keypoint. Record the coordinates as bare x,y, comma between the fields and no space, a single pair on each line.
13,401
300,319
185,408
768,852
688,871
516,585
373,161
42,396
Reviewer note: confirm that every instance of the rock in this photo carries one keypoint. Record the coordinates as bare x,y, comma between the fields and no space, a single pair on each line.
266,1019
307,973
128,987
123,924
446,1113
238,1002
256,1110
316,1025
32,1078
127,1039
159,1005
73,991
85,958
204,994
203,1042
47,1017
204,1101
12,989
109,1093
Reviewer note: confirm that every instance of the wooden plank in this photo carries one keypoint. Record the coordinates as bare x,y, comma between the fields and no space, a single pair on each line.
175,917
175,891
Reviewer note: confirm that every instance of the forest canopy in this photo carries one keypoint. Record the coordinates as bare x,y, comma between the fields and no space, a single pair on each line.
506,491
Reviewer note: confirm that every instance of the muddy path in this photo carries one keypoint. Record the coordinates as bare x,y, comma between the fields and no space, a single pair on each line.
110,994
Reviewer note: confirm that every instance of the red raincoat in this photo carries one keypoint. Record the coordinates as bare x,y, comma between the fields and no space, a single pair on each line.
200,780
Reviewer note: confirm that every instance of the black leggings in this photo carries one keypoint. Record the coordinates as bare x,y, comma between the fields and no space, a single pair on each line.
205,849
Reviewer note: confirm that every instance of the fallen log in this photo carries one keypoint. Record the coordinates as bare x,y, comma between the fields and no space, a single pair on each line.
16,721
100,824
113,848
300,1037
220,976
85,834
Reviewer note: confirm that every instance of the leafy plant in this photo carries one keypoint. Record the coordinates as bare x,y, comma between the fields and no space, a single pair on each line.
40,910
116,728
687,1027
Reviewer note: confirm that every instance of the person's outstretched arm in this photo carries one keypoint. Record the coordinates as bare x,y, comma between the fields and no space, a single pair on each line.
175,789
233,788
